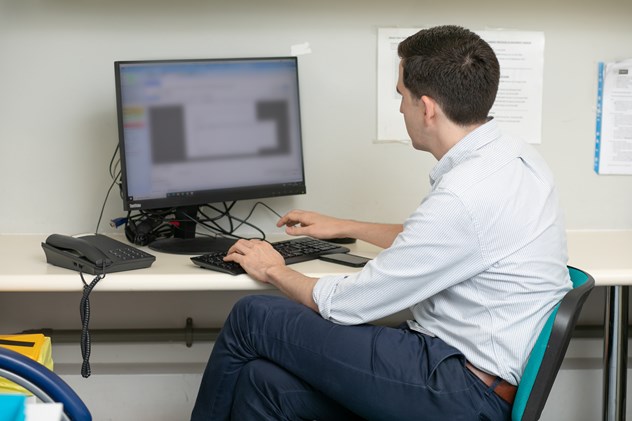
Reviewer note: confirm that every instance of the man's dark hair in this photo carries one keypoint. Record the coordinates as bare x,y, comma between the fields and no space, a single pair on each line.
453,66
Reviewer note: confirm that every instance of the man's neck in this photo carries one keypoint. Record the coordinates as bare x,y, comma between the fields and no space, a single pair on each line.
450,135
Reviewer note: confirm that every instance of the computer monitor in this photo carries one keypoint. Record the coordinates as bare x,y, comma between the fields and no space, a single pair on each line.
194,132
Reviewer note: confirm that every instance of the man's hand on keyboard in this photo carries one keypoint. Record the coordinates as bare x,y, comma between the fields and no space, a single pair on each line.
256,257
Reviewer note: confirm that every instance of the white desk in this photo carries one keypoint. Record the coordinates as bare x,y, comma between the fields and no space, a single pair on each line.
23,268
606,255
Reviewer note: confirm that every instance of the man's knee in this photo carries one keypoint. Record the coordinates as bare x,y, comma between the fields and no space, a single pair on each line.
260,304
259,388
259,375
253,304
266,313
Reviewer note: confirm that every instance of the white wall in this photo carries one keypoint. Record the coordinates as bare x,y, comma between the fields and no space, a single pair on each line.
57,106
58,127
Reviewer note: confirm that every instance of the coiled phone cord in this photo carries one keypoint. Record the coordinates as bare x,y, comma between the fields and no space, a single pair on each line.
84,311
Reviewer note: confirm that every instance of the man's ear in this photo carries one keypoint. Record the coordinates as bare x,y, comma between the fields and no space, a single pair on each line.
430,106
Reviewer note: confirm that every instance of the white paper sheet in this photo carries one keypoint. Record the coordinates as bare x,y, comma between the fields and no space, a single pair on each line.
44,412
613,134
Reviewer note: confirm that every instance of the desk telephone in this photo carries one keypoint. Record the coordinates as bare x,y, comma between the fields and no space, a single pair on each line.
94,254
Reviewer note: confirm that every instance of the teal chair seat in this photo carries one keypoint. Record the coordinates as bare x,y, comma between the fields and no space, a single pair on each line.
549,350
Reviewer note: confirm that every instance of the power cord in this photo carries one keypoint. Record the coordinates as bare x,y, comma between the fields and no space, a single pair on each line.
115,174
96,230
231,231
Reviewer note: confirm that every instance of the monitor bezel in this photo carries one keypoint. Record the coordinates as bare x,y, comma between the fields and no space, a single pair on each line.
203,197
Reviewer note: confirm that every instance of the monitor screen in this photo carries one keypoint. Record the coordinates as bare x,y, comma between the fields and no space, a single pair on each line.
193,132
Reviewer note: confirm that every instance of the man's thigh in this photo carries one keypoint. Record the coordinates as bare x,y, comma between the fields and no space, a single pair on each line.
266,391
377,372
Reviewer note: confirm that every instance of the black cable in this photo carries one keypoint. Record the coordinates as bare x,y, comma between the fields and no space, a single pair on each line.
161,223
252,211
114,164
84,311
84,305
226,213
269,208
115,174
245,220
96,231
144,227
216,228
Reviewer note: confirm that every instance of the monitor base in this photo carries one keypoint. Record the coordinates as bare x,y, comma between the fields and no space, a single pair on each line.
197,245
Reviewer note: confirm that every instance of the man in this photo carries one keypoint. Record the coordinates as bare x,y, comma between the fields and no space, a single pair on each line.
480,263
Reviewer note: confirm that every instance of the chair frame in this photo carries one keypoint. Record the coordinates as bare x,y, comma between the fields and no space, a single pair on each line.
548,353
43,383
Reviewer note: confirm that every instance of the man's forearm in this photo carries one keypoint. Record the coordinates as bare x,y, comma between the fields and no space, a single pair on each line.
381,235
293,284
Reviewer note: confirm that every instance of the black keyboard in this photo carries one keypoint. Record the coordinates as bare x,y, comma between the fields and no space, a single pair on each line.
294,250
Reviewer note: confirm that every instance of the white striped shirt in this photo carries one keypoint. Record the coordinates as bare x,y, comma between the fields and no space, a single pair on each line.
481,262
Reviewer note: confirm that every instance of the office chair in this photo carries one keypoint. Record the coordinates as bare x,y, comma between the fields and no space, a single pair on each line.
549,350
43,383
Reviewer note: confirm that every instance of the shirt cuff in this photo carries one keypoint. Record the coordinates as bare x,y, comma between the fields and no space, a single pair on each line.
323,293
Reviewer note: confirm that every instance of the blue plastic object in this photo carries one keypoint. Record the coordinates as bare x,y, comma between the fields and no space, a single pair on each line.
12,407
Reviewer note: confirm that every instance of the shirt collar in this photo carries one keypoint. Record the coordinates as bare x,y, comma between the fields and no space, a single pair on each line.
463,149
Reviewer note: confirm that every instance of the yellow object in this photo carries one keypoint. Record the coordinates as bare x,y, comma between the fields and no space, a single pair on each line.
36,346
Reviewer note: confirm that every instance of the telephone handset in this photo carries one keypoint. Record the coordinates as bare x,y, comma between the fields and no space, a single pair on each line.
94,254
80,246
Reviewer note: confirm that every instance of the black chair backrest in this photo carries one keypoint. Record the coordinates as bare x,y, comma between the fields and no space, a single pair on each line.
548,353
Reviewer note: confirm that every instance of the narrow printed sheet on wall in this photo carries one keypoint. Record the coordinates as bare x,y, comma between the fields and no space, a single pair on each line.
518,106
613,134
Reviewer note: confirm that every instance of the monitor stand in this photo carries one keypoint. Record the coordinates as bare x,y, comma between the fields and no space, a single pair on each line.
185,240
197,245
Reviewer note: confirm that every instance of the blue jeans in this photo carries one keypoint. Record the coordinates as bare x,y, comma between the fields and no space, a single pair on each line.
278,360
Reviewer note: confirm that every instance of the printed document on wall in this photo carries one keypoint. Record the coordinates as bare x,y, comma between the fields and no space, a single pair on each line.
518,106
613,134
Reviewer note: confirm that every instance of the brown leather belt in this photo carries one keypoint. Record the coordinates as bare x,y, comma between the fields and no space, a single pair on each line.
505,390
